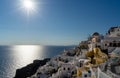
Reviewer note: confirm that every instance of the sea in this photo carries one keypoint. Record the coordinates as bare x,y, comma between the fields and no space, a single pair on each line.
18,56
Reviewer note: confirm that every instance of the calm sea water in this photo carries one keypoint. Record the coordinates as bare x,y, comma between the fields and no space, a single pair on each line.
14,57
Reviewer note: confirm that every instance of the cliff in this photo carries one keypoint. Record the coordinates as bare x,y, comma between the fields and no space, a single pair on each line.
30,69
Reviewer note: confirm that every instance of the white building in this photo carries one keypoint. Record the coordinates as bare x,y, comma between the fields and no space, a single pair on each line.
108,42
65,71
112,39
95,40
114,32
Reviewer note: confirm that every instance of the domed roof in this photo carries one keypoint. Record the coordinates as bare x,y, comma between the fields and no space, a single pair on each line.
95,34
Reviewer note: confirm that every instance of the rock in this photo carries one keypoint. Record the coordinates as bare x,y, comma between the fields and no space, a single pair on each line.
30,69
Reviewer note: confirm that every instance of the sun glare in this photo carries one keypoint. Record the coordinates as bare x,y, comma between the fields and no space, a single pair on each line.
28,6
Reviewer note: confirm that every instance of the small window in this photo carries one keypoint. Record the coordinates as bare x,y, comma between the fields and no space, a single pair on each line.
110,44
114,45
68,68
119,44
73,72
63,68
85,75
89,71
105,44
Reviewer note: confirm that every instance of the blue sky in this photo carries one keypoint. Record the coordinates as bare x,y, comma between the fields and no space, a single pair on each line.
57,22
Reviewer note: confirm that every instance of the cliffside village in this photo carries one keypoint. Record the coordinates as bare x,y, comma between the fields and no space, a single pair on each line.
106,42
97,57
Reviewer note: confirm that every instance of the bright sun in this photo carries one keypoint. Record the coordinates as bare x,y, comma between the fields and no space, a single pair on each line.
28,6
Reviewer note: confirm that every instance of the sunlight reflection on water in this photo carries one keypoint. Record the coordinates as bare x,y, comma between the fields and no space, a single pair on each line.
22,55
18,56
27,53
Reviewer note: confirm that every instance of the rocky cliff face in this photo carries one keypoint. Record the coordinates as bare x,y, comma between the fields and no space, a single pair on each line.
30,69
